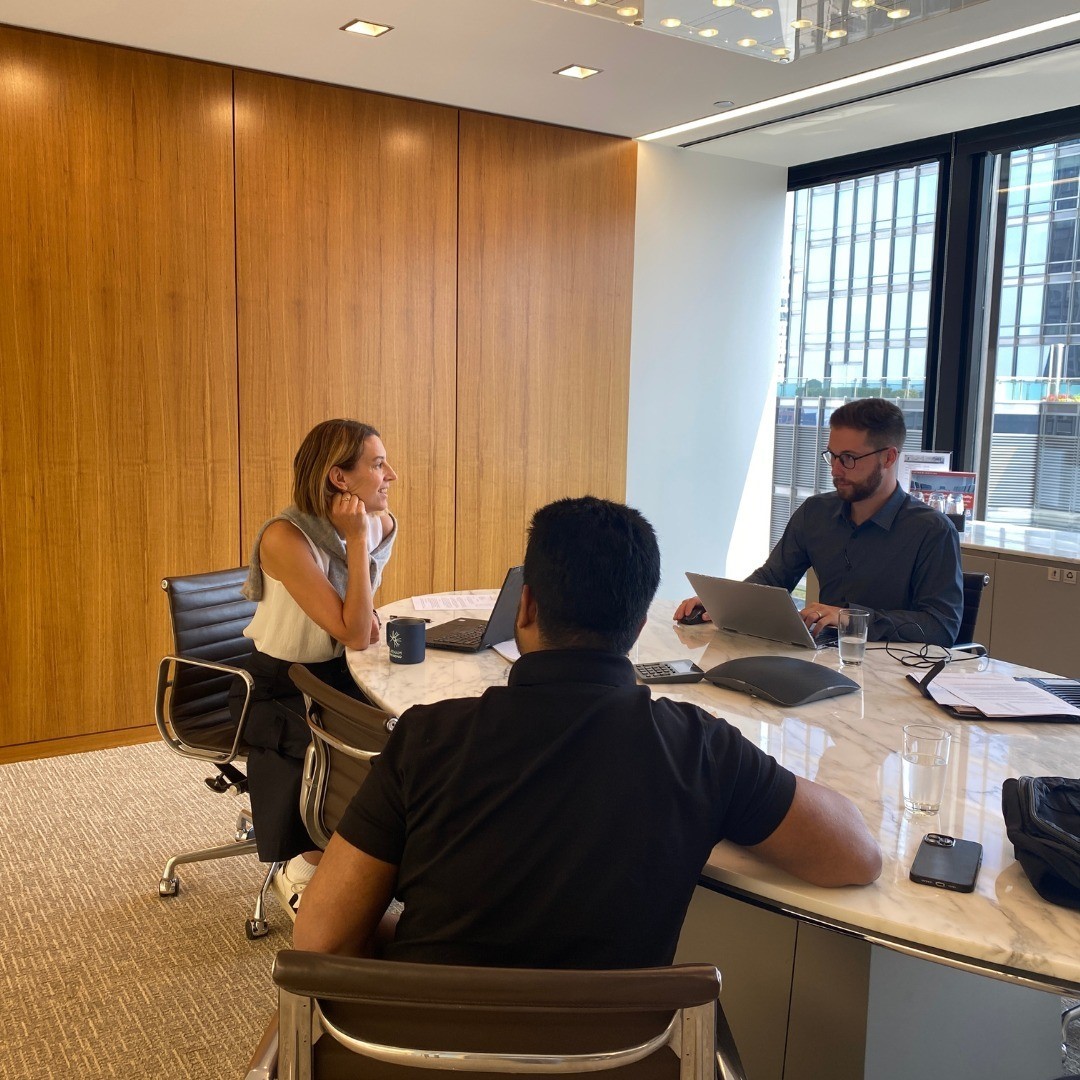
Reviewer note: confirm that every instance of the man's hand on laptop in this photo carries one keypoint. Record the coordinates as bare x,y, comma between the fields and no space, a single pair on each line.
691,611
818,616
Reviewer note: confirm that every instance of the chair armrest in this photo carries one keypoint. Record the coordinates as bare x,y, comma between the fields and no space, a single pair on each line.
264,1062
164,724
320,733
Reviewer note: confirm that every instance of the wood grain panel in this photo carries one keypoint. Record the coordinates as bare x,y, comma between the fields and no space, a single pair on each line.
117,370
546,233
346,248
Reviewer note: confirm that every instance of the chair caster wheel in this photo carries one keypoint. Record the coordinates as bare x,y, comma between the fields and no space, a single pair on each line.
168,886
256,928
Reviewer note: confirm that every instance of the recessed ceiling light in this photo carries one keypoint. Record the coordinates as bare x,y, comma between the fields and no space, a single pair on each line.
802,24
577,71
709,31
724,3
836,32
761,12
865,76
626,12
780,52
671,23
747,42
366,29
585,3
899,13
725,104
857,4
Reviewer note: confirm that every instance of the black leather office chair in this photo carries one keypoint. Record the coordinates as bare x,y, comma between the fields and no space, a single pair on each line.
383,1020
973,590
209,615
345,735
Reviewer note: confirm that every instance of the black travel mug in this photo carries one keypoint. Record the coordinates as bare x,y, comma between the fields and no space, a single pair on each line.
406,638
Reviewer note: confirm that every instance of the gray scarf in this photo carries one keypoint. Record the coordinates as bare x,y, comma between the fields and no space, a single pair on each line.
325,537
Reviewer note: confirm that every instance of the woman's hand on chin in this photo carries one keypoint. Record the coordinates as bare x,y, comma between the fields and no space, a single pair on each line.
348,515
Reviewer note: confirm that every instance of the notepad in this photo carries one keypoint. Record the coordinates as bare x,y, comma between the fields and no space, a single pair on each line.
997,697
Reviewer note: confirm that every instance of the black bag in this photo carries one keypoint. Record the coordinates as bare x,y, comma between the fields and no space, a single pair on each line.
1042,819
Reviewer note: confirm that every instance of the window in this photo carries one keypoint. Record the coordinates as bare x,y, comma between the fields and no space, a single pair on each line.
1029,446
945,274
861,263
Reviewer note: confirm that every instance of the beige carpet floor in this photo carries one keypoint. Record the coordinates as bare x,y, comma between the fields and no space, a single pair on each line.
99,977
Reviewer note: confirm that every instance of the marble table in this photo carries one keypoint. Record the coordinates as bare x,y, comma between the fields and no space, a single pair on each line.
1003,929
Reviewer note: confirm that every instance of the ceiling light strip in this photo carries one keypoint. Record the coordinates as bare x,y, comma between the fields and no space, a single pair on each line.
987,65
864,77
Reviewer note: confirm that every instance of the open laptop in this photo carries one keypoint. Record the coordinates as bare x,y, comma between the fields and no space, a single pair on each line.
764,611
472,635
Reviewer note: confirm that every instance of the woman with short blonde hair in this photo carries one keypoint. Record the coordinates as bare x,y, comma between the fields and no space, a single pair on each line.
314,570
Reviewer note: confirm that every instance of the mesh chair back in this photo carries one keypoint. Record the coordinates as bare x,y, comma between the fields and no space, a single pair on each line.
654,1024
973,589
209,615
345,735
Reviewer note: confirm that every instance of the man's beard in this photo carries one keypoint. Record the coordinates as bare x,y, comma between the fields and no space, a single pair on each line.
859,491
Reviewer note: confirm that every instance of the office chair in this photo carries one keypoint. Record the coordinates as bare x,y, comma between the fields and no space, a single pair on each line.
209,614
341,1016
973,589
345,735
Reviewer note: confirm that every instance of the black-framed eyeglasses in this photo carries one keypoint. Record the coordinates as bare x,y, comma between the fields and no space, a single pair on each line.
847,460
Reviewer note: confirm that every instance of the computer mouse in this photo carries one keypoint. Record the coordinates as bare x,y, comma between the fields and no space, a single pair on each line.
694,617
783,680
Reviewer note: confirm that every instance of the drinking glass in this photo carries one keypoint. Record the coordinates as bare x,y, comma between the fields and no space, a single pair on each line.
852,625
924,762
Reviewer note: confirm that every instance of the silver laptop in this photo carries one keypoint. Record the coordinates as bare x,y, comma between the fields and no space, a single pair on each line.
764,611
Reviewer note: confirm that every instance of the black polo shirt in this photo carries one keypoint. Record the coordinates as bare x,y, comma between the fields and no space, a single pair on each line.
561,820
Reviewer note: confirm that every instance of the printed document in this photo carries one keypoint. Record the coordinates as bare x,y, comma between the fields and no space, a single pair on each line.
997,696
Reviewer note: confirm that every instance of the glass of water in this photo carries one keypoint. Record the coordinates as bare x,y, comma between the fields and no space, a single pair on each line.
924,762
852,625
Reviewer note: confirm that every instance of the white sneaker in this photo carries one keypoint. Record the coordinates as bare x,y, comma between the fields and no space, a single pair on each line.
289,883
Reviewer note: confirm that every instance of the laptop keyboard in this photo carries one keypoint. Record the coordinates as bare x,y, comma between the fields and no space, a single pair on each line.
469,635
1066,689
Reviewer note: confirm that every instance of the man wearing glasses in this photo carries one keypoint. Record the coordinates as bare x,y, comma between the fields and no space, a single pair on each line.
871,544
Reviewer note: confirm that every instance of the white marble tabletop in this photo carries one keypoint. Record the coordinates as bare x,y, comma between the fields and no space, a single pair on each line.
1021,540
852,744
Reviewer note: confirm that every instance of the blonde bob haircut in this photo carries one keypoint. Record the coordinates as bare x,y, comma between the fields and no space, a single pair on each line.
333,442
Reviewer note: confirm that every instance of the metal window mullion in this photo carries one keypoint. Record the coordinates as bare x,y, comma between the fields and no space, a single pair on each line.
826,374
850,282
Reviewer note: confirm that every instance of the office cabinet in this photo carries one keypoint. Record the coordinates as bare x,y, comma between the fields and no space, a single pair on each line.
1036,618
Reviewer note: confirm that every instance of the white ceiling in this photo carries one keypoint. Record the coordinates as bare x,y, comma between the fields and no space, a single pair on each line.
498,56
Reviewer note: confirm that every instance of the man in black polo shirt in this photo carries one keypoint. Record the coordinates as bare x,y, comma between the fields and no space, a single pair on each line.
562,820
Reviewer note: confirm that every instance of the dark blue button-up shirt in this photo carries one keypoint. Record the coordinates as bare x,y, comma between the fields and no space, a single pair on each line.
903,564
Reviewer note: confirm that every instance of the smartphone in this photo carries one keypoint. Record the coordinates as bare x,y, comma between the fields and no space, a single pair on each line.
669,671
947,863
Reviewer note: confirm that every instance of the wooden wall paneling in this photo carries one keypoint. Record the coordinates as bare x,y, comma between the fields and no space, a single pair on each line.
117,370
346,249
546,230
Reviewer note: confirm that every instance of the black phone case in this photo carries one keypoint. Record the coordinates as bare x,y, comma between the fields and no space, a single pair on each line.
954,867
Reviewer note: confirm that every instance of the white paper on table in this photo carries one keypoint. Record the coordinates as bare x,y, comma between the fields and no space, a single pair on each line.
462,601
998,695
508,650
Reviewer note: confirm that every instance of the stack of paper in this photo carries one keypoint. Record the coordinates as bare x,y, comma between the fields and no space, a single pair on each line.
996,696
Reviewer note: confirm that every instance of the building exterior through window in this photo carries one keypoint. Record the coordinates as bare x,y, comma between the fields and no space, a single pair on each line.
856,322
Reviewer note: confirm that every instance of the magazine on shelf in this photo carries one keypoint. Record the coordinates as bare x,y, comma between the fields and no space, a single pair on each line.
910,460
924,484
